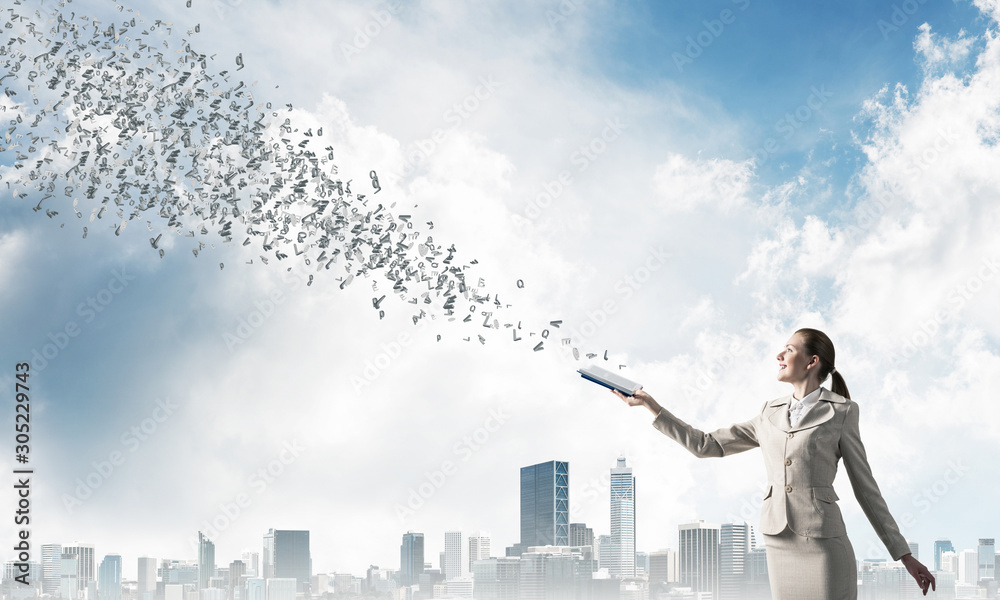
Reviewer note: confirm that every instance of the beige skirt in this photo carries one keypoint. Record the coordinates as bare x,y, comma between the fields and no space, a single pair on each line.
802,568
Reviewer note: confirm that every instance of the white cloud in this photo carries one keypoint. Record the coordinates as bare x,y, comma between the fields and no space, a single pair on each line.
685,184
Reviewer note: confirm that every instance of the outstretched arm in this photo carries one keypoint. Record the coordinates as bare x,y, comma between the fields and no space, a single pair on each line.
865,489
729,440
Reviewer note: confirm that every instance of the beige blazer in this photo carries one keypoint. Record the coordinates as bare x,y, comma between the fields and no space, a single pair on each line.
801,464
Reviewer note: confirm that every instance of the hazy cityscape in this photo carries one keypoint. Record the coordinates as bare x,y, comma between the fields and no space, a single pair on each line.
554,559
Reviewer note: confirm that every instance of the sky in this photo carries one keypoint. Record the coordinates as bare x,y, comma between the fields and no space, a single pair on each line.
681,185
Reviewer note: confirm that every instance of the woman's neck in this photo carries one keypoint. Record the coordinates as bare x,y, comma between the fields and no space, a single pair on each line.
804,388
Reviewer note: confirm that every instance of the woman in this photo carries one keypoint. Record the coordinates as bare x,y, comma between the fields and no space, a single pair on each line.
802,437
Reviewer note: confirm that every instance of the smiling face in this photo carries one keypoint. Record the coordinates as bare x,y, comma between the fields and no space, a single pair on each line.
793,363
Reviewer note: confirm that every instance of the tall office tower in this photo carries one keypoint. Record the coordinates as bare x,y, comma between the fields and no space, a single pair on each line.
237,574
256,589
987,558
581,535
69,575
51,555
949,561
456,556
914,549
268,558
292,558
145,588
663,567
968,567
622,559
85,562
735,541
251,561
479,547
545,504
109,578
496,579
603,552
941,546
281,588
411,558
206,560
698,546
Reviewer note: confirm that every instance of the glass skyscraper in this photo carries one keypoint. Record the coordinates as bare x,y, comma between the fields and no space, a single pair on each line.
411,558
109,578
545,504
986,558
621,563
940,547
291,557
206,560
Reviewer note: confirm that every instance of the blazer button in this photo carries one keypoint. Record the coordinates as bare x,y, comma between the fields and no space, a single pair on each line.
788,461
788,489
791,435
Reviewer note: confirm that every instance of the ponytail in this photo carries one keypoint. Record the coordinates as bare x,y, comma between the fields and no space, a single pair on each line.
837,384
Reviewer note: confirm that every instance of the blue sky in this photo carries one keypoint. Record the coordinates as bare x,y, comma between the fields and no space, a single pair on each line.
731,254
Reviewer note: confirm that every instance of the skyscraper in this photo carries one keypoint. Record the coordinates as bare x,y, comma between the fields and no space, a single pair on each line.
456,555
411,558
109,578
69,578
698,547
987,558
85,562
545,504
237,573
602,550
581,535
621,563
206,560
51,565
940,547
292,558
479,547
251,560
735,541
146,579
968,567
268,558
914,549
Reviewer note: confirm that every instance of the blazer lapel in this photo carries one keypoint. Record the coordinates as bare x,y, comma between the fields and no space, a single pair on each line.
779,413
819,414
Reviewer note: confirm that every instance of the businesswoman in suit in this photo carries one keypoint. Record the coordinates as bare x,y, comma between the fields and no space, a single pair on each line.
803,436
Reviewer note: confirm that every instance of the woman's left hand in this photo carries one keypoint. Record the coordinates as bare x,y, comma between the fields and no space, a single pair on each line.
919,572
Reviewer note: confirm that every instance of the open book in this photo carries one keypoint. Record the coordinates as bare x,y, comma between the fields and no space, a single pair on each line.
609,379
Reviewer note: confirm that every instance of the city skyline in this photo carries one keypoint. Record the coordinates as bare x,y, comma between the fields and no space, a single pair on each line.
296,545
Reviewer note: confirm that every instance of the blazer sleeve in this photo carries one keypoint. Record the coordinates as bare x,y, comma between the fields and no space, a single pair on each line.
865,488
721,442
